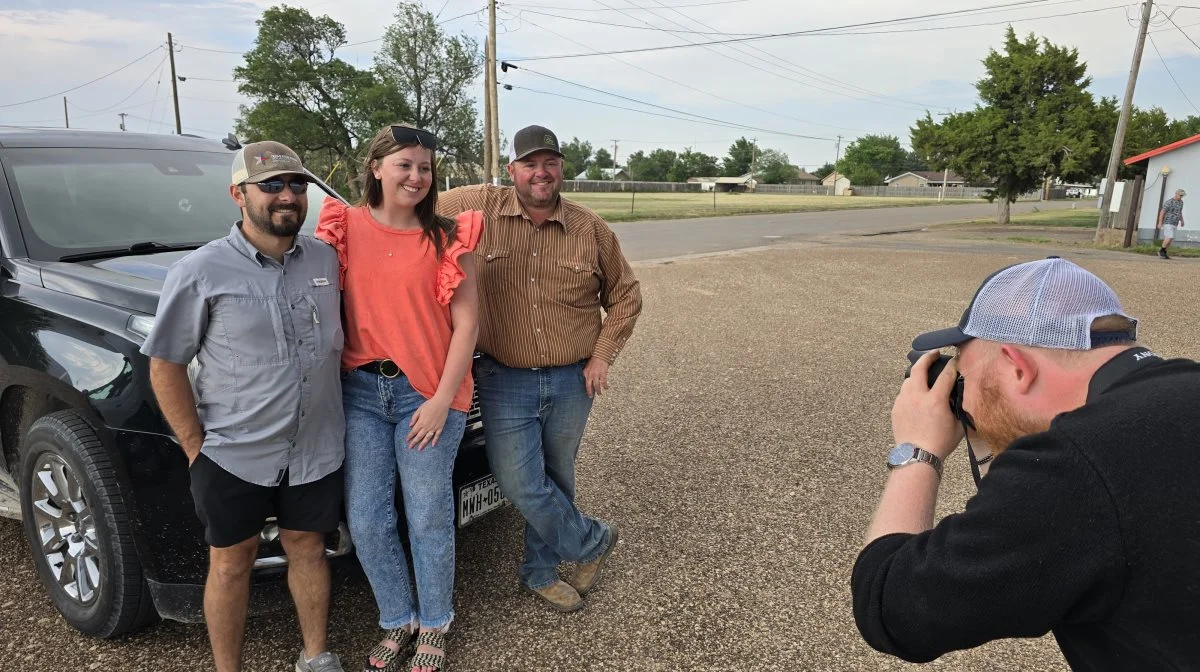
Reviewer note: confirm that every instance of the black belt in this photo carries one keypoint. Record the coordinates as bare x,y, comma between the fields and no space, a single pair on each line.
382,367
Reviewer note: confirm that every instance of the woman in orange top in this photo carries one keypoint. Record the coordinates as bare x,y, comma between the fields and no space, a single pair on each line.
410,306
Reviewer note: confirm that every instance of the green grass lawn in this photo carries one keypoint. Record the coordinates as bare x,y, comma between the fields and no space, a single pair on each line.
1080,217
1175,251
624,207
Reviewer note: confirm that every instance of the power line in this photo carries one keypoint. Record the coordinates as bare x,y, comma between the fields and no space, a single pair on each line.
91,81
687,86
671,109
907,104
812,31
1172,76
808,73
183,47
656,114
594,22
973,25
1189,37
132,94
573,9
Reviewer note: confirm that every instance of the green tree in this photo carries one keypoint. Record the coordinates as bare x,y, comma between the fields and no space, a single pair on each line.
305,97
653,167
914,162
741,155
432,74
603,158
823,170
594,172
1036,121
872,158
693,164
775,168
577,157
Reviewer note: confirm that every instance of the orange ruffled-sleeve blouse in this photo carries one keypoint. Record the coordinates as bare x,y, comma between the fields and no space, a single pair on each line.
396,293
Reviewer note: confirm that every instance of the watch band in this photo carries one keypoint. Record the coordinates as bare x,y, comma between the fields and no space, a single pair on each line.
915,454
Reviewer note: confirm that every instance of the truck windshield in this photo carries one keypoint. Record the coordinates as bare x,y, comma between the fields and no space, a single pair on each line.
73,201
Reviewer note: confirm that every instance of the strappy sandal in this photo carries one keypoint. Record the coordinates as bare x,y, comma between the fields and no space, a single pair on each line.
401,636
437,661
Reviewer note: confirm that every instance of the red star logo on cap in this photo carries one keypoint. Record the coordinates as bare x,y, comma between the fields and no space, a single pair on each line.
263,158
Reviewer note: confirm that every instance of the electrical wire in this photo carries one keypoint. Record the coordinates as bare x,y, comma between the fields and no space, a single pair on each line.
126,98
812,31
90,81
1171,75
1189,37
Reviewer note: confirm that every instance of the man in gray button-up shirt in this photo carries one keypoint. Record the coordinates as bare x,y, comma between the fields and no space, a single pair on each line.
245,364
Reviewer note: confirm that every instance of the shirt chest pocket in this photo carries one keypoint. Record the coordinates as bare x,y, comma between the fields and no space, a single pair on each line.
254,330
324,322
577,277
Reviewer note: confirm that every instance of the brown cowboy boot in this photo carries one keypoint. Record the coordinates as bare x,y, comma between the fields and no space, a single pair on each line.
588,574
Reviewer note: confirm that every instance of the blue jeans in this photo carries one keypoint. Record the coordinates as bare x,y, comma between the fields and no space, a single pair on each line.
533,420
378,412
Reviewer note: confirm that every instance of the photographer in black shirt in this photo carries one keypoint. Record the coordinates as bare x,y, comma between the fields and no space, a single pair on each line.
1087,522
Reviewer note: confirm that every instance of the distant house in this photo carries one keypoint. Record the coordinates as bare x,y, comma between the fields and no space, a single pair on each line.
806,178
924,178
740,183
843,183
618,174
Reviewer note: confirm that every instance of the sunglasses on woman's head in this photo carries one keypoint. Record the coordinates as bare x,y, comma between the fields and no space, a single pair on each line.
403,135
274,186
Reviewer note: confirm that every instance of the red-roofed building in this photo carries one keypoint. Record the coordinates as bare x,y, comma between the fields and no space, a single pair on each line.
1170,167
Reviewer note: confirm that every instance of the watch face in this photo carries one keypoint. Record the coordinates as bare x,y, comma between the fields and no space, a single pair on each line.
900,454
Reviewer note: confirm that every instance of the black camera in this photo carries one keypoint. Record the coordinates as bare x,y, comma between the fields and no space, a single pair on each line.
956,393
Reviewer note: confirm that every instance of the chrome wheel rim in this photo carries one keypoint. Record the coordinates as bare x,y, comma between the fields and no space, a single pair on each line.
66,528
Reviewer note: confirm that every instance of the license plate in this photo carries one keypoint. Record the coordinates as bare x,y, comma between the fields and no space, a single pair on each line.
476,499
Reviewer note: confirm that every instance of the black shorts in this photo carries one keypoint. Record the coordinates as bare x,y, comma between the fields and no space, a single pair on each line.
233,510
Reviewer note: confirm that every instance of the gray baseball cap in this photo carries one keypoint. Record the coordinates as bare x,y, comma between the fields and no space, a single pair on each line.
1048,303
259,161
533,139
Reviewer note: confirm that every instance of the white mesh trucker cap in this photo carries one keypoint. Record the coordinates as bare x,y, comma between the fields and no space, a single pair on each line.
1048,303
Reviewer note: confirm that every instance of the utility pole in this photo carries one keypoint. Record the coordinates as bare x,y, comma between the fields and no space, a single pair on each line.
174,83
753,155
488,92
614,167
1114,159
66,119
833,189
494,110
945,176
122,116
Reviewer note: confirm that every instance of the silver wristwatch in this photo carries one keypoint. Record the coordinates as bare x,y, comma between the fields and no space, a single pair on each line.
906,453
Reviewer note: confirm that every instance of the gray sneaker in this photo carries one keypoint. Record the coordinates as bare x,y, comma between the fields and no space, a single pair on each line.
325,662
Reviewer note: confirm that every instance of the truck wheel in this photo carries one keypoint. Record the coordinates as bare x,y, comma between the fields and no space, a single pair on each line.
79,529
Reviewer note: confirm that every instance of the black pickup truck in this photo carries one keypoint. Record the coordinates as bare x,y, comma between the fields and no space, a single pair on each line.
89,224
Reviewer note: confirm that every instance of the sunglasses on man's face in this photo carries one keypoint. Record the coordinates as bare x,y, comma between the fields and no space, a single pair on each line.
276,185
403,135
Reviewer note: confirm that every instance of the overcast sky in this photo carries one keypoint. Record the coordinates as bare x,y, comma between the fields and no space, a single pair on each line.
819,86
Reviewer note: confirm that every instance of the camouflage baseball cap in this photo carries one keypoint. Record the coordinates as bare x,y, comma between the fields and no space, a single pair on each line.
259,161
533,139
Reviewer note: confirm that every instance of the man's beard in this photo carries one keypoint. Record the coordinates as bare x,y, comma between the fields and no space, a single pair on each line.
291,218
529,198
997,423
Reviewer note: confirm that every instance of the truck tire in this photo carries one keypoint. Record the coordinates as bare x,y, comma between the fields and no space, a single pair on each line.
79,528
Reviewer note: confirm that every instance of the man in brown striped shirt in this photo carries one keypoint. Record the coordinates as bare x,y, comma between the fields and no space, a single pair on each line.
547,268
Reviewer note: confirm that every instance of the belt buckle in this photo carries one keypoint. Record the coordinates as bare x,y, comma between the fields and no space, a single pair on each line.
383,364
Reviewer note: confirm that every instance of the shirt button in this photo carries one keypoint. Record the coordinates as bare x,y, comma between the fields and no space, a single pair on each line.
535,254
533,279
302,414
489,257
299,342
305,379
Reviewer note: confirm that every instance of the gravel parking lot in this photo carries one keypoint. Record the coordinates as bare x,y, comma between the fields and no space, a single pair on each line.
740,450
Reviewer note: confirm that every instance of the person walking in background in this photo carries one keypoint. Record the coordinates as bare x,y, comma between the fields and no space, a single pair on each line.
548,268
1170,217
410,309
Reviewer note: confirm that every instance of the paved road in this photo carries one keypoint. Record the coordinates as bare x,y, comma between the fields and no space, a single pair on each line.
675,237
